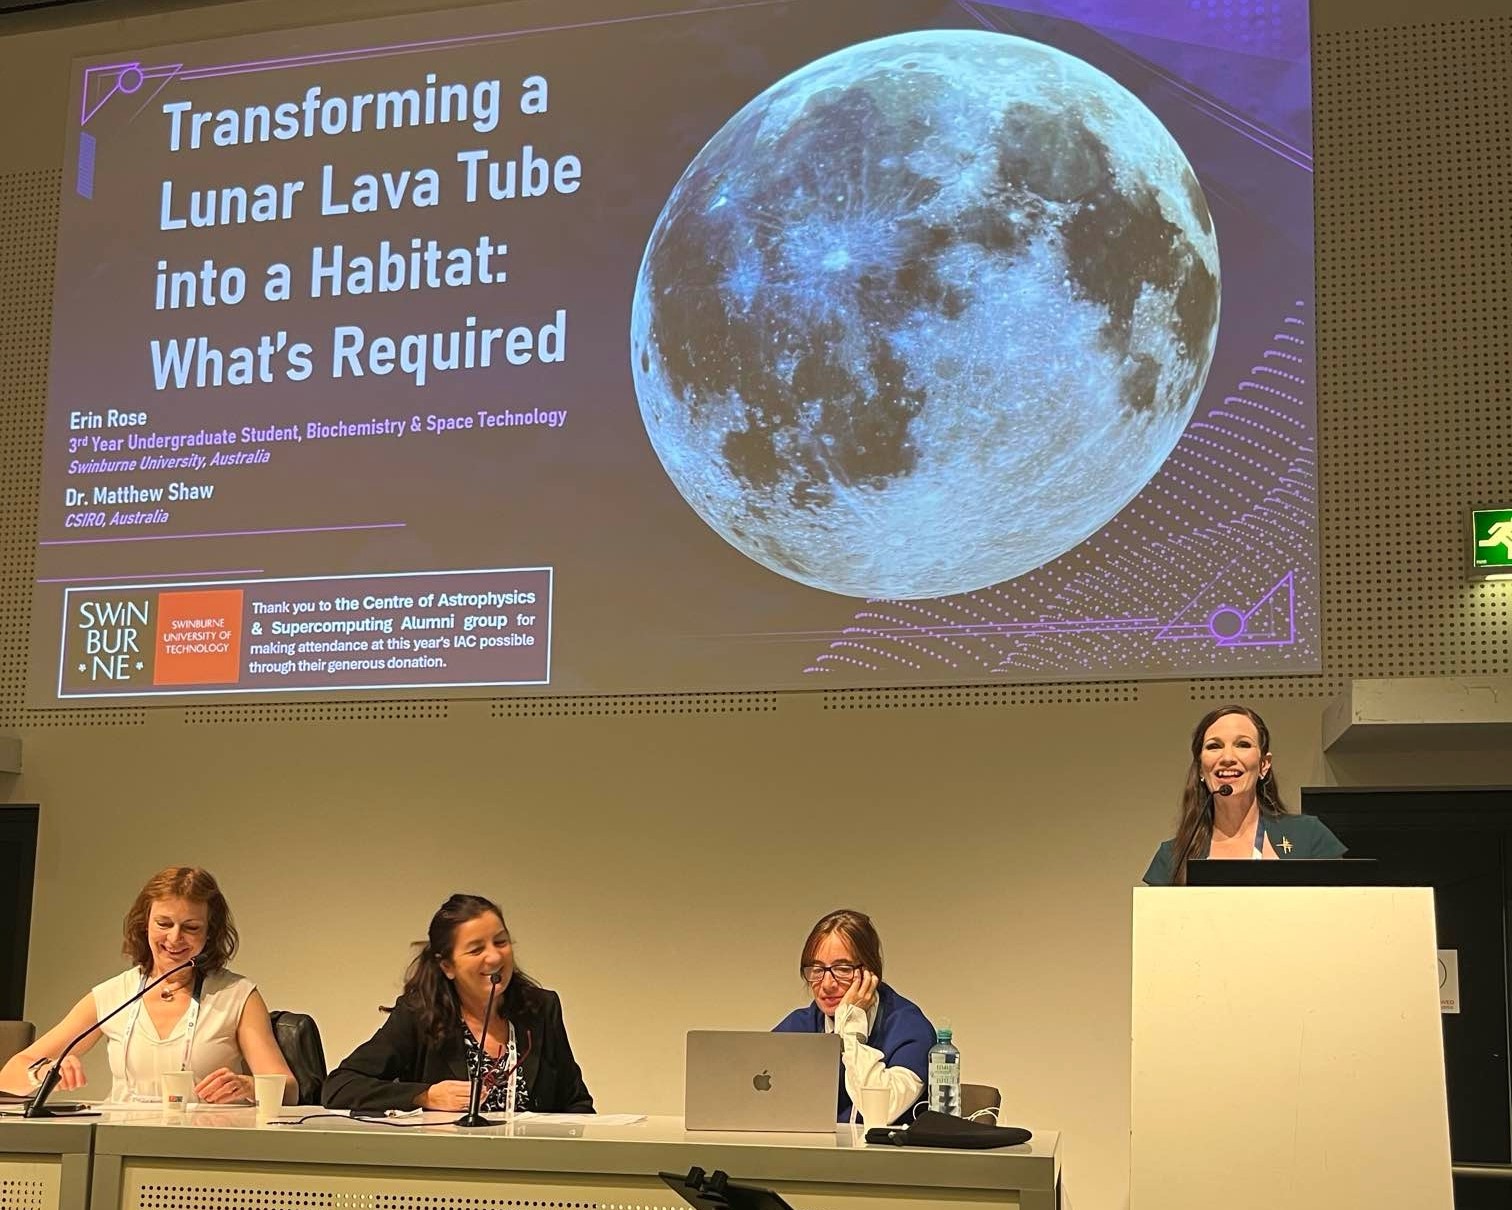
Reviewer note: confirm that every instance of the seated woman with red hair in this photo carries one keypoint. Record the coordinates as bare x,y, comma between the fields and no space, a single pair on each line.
205,1019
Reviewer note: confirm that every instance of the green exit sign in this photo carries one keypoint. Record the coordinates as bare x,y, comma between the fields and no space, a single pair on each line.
1491,541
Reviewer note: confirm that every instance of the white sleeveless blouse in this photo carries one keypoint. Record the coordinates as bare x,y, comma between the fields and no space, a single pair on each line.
138,1056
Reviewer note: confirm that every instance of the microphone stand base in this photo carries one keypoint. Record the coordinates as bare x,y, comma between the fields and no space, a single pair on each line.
473,1120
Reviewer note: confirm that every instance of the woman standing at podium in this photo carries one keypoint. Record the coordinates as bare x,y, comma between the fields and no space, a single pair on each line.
1230,807
207,1020
424,1054
885,1039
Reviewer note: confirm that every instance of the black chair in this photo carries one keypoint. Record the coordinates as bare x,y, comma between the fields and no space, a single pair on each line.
299,1038
15,1036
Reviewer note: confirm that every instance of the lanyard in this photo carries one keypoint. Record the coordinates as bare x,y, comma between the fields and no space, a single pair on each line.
514,1072
191,1017
510,1057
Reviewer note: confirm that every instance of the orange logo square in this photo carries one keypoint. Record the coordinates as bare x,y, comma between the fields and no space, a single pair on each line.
198,637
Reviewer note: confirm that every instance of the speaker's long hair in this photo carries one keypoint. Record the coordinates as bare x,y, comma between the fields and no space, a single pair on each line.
1194,831
432,997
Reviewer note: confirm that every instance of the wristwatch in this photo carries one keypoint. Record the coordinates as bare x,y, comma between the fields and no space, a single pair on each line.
34,1072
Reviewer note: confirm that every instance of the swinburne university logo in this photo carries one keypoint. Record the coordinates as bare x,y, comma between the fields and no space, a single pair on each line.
117,640
108,640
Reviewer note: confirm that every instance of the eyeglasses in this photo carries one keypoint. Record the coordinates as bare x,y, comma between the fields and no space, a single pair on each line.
844,972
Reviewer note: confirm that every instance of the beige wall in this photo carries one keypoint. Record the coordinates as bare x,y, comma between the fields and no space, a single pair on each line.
660,867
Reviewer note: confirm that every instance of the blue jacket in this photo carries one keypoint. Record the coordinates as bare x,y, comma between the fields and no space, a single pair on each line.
901,1032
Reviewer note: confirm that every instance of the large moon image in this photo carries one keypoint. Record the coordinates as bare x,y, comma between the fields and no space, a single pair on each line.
925,314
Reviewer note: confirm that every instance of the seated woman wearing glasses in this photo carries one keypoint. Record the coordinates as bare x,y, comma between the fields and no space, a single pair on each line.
885,1039
424,1054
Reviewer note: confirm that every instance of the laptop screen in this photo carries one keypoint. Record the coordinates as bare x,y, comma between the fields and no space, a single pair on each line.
1294,871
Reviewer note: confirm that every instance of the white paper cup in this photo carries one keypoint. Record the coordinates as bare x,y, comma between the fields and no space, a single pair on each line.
875,1105
177,1088
270,1093
872,1105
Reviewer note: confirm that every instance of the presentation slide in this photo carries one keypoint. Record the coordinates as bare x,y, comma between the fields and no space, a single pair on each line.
609,346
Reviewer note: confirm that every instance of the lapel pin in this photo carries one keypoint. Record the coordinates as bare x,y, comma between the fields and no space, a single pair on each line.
1286,845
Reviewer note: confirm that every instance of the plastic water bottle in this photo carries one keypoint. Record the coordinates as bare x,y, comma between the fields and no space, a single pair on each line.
944,1075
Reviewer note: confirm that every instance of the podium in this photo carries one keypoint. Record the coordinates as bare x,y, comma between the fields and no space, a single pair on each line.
1287,1050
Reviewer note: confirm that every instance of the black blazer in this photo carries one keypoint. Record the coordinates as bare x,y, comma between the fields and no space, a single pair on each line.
398,1063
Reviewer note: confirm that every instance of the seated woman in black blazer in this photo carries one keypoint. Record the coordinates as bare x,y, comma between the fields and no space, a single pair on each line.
423,1054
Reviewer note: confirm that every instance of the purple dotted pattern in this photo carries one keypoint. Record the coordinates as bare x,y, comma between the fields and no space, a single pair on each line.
1219,550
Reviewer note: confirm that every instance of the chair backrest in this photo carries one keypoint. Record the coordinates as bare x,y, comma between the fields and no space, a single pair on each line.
977,1097
298,1037
15,1036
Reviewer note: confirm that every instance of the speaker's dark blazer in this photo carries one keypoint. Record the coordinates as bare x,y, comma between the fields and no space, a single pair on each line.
398,1063
1289,835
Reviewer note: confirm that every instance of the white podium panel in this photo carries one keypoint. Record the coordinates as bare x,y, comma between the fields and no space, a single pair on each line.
1287,1050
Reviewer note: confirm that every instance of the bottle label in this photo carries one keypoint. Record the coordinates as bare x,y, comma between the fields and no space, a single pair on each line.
943,1071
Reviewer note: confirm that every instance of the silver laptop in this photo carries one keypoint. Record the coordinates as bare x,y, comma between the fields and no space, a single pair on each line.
762,1081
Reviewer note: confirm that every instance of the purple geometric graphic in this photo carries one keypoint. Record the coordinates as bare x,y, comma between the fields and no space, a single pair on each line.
84,174
1233,572
103,82
124,79
1269,622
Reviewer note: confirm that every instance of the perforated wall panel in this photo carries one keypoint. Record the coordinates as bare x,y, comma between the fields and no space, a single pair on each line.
28,241
317,712
636,703
980,695
1413,196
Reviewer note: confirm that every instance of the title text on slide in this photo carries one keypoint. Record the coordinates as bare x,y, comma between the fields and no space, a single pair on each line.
315,113
335,271
524,175
187,360
194,361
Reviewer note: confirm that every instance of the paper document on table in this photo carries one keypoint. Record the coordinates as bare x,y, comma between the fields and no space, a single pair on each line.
583,1119
157,1107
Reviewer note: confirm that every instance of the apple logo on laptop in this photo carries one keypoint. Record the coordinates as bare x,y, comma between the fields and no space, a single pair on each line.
762,1083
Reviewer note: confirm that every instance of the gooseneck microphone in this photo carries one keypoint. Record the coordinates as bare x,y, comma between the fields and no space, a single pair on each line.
1223,790
474,1117
37,1106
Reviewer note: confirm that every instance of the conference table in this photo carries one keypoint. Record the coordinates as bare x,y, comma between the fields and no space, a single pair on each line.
230,1159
